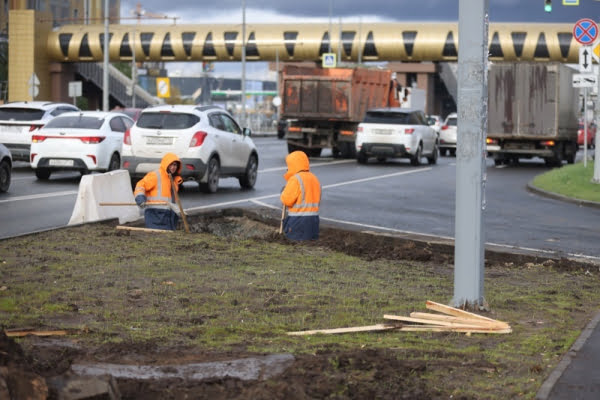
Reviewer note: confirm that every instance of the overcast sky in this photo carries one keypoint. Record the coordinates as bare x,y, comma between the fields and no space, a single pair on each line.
295,11
275,11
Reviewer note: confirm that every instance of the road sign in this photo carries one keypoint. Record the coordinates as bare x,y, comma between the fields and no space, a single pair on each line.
585,31
329,60
585,80
75,89
163,87
33,80
34,91
585,59
596,51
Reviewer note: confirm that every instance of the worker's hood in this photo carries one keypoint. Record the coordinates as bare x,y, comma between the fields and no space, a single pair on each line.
296,161
167,160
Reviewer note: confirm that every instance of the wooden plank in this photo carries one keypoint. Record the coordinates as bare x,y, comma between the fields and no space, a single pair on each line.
133,228
461,313
21,333
378,327
430,322
450,318
423,328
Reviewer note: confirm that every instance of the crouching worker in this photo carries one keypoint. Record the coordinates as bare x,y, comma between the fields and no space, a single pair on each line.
302,196
154,194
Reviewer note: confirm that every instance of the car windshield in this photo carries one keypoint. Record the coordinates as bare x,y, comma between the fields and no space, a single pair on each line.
167,120
451,122
76,122
20,114
382,117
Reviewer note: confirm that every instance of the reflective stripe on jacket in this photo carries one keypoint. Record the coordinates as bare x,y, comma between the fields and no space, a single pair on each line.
307,203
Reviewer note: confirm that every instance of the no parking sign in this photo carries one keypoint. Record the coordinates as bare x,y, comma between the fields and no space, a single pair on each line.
585,31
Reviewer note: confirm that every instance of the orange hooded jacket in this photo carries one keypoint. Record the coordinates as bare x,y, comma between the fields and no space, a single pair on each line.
302,193
156,185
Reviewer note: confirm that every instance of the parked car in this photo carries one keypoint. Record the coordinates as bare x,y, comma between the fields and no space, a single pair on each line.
81,141
396,132
133,113
207,139
435,121
5,168
591,134
19,120
448,135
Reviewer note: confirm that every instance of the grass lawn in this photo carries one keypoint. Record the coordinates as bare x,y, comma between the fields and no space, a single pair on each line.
572,181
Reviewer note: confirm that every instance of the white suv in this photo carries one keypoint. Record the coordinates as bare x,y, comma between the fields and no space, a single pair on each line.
207,139
448,135
19,120
396,132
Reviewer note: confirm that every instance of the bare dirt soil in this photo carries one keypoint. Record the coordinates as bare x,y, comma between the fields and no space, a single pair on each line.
37,367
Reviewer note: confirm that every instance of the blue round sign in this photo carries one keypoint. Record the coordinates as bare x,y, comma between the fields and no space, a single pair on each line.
585,31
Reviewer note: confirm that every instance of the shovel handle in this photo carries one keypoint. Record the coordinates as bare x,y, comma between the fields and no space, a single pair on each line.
131,204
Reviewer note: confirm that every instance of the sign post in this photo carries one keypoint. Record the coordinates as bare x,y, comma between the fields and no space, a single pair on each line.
75,90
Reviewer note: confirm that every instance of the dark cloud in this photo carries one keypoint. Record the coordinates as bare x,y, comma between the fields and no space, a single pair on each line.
398,10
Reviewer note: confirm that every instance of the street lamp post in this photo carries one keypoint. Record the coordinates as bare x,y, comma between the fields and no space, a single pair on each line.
243,63
105,64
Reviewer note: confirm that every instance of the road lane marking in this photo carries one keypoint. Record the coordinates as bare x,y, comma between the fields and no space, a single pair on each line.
270,196
40,196
311,165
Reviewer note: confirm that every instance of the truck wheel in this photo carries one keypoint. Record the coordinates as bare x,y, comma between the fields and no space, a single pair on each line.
314,152
361,157
292,148
443,152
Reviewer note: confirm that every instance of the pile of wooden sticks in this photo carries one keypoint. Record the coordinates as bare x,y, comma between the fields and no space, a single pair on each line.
450,320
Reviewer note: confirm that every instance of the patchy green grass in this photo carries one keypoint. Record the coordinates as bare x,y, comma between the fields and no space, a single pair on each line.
223,295
571,180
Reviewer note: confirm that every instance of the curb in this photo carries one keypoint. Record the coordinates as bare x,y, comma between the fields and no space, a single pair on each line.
546,388
561,197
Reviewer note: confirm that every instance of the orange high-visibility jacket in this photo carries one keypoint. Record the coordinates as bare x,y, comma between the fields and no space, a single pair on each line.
156,185
302,193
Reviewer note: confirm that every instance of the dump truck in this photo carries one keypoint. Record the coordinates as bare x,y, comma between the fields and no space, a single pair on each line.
533,112
323,106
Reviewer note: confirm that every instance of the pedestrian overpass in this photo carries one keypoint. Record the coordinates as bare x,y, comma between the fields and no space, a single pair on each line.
56,55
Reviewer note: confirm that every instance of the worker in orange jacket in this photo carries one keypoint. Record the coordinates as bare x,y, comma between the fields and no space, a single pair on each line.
154,194
302,197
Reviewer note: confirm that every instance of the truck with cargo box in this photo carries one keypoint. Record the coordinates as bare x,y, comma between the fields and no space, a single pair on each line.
324,106
533,112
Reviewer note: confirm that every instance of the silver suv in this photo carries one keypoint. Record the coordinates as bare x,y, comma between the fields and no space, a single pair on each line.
19,121
207,140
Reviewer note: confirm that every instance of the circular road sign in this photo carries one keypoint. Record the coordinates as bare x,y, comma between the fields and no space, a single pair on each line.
585,31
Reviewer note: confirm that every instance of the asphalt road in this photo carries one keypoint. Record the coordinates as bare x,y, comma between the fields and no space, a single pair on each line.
390,197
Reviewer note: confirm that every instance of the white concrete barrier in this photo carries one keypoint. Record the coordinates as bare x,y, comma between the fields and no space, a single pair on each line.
110,187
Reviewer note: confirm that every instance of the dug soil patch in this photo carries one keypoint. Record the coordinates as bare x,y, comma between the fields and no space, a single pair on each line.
205,315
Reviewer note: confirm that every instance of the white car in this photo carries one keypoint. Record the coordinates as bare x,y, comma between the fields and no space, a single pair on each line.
207,140
5,168
435,121
448,135
396,132
20,120
81,141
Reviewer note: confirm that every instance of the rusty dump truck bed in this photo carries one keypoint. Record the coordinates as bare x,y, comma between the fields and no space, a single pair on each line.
335,94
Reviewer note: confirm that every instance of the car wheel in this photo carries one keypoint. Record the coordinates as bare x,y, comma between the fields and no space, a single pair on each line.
212,180
115,162
249,178
416,159
361,157
42,174
4,176
434,156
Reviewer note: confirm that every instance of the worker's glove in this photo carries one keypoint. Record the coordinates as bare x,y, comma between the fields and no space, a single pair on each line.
140,200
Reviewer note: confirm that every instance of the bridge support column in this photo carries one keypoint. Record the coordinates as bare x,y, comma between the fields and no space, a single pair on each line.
60,76
28,32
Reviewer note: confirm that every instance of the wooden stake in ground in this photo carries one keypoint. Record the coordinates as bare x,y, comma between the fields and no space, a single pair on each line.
185,223
282,217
